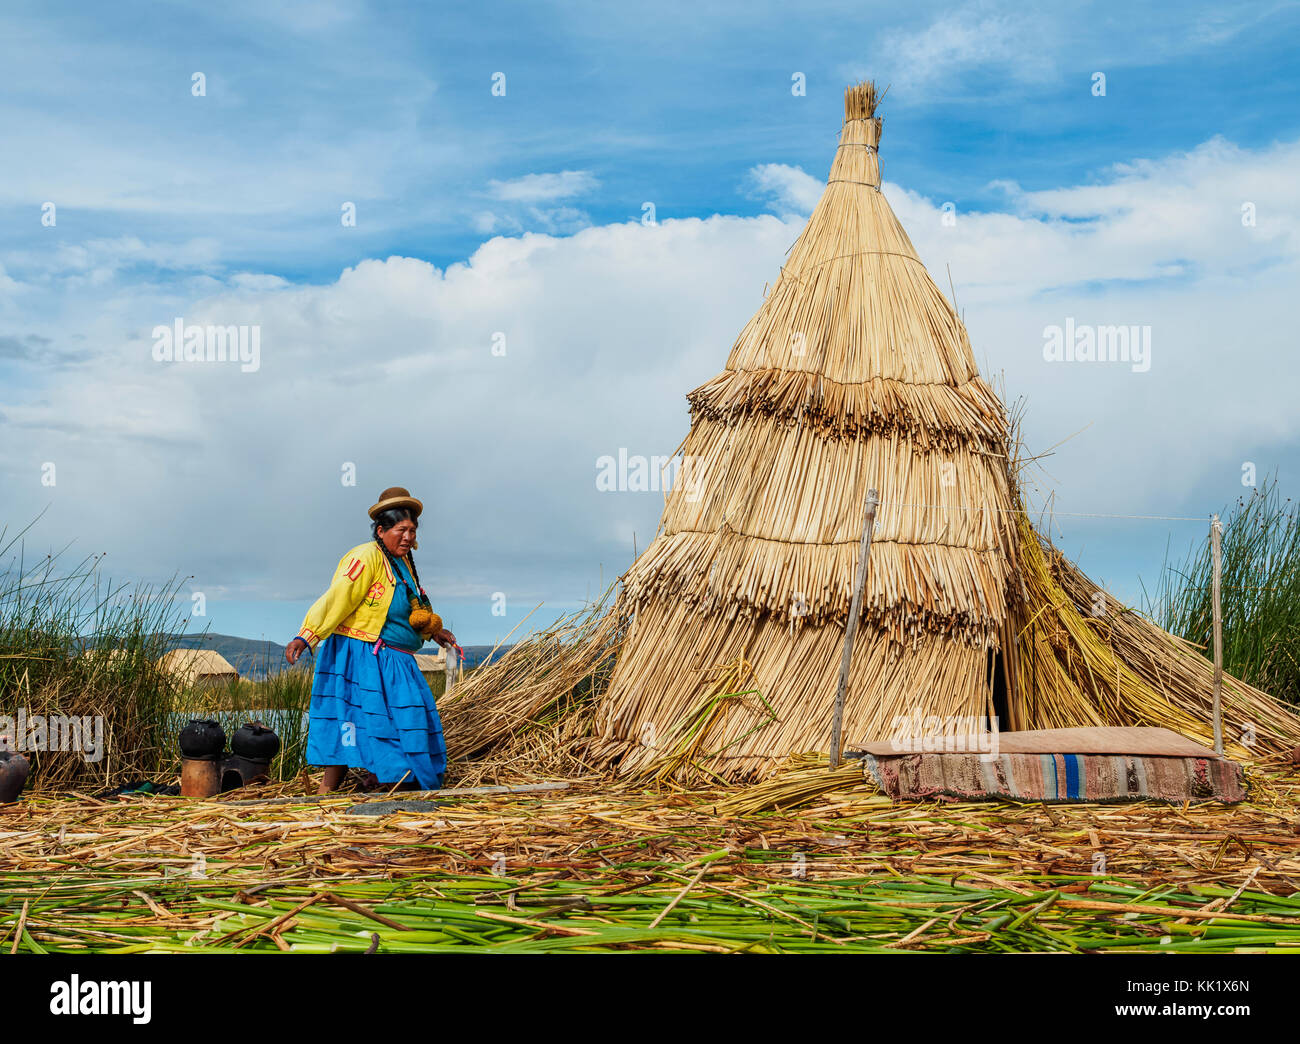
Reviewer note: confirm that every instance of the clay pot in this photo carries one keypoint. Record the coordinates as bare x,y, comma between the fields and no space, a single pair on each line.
255,742
200,777
13,775
203,739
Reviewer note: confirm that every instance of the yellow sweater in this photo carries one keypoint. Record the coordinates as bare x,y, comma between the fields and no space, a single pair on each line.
357,601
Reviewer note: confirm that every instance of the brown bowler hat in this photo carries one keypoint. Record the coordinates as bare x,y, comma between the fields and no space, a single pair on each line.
396,497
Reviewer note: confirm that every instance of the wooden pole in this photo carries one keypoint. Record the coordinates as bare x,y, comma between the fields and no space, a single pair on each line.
1216,534
851,628
451,671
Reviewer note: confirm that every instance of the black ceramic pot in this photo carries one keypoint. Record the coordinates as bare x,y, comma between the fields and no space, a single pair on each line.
203,740
13,775
255,742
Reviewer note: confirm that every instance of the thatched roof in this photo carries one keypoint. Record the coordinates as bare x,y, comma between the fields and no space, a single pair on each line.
857,373
193,664
854,372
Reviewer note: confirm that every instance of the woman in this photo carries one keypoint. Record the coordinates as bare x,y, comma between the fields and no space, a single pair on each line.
371,708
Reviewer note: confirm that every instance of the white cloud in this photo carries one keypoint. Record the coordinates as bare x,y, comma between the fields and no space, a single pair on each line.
790,189
523,198
559,220
99,259
390,367
258,281
1155,243
1143,221
984,47
543,188
972,37
8,284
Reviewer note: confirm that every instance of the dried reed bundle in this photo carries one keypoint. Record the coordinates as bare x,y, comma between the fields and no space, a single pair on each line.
539,688
937,414
777,522
679,754
795,673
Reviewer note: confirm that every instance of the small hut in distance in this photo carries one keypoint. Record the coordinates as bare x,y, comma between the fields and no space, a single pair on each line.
204,668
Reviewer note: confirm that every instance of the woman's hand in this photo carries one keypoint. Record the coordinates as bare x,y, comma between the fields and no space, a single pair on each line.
445,638
295,649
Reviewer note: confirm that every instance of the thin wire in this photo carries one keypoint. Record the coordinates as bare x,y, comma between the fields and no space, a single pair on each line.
862,253
728,527
1066,514
886,505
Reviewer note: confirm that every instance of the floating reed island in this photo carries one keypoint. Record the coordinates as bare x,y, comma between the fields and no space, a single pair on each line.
812,861
856,373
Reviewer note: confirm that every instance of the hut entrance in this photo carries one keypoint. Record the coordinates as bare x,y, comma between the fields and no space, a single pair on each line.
998,680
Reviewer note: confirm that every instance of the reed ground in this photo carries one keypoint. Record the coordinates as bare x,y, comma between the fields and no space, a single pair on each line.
811,861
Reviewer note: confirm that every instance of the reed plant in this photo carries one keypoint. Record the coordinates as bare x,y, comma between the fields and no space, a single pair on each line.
1260,597
73,642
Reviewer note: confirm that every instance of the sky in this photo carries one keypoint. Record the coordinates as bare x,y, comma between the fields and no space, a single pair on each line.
484,245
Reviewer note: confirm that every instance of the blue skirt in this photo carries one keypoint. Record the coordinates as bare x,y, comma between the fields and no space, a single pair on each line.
372,709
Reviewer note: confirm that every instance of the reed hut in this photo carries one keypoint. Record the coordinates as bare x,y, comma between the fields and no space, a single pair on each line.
202,668
857,373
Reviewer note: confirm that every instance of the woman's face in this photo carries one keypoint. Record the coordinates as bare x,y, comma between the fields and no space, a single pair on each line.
399,538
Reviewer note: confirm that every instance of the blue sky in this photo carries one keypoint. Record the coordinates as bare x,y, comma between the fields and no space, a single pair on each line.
478,213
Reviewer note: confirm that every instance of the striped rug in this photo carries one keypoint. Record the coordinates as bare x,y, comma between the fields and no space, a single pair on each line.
1056,777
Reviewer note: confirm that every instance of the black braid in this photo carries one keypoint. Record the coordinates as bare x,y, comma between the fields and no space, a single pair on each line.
392,562
389,519
410,557
388,556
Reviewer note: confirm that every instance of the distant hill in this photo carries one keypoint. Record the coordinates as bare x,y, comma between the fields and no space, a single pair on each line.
254,658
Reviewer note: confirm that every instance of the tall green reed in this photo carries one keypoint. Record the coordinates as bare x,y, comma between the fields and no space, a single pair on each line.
1260,593
75,643
72,642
